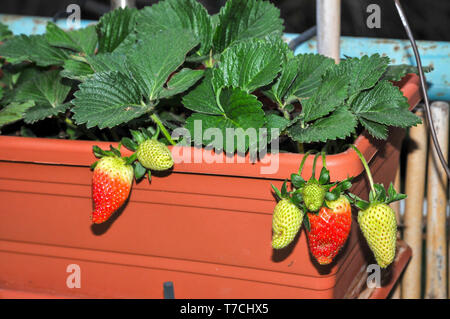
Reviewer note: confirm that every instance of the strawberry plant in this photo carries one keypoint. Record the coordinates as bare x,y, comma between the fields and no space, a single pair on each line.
172,64
137,75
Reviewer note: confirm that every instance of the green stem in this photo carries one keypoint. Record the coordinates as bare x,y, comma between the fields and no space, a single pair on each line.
156,135
366,167
324,161
158,122
301,148
313,176
303,162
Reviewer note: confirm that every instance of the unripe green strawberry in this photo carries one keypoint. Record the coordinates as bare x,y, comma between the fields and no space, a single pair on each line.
111,185
313,195
379,226
154,155
286,222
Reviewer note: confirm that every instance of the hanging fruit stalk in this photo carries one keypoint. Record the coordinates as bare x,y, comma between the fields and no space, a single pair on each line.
376,219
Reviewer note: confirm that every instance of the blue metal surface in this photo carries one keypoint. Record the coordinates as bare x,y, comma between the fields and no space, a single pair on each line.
432,53
33,25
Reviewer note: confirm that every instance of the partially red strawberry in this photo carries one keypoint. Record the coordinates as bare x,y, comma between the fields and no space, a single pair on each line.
111,184
329,229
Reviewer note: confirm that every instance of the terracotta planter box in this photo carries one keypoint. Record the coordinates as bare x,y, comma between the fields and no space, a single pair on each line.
205,227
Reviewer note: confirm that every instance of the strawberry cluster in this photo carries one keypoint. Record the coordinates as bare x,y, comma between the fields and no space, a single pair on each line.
322,205
325,210
113,174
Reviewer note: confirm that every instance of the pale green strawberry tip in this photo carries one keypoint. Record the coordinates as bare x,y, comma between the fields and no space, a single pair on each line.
286,222
116,166
379,226
154,155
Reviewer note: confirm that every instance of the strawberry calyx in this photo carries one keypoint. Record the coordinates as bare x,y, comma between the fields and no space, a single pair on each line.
112,152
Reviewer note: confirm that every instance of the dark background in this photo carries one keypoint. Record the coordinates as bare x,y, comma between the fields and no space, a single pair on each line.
430,20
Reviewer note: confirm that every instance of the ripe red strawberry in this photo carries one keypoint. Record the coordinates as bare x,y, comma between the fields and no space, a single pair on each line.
329,229
111,185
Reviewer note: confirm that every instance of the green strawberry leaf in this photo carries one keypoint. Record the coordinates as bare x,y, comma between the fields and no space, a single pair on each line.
181,81
185,15
14,112
236,110
42,111
107,99
114,27
329,95
5,33
384,105
248,65
375,129
154,59
300,77
243,19
139,171
76,70
203,98
48,91
397,72
338,125
274,121
33,48
104,62
82,40
362,73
